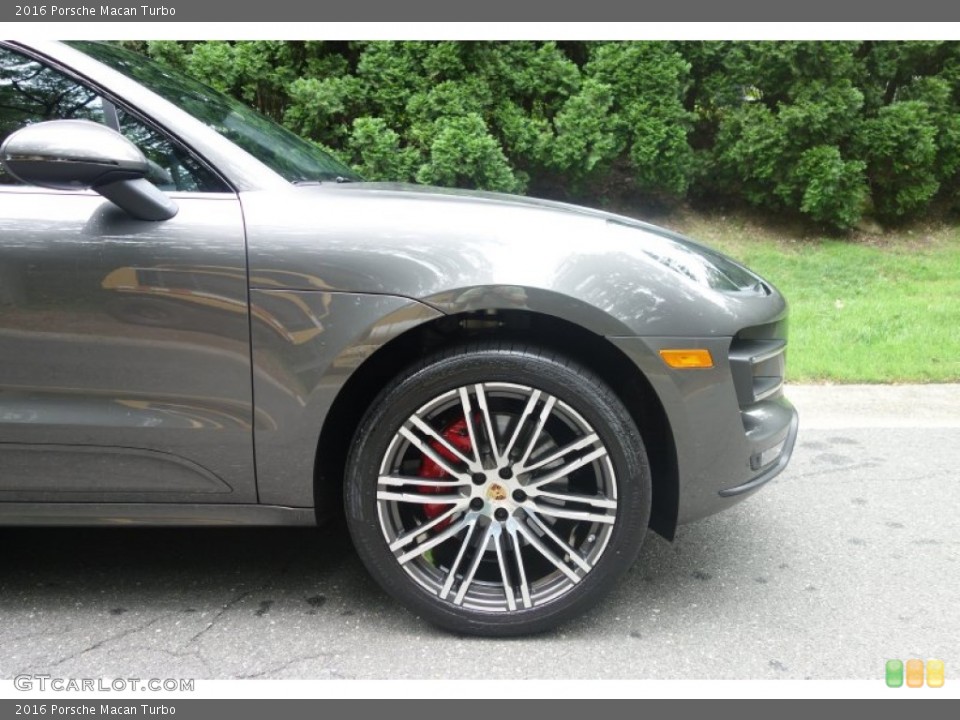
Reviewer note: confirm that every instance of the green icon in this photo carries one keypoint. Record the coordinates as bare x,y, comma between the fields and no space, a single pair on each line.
894,673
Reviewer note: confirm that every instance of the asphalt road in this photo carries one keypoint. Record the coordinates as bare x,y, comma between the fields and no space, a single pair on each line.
851,557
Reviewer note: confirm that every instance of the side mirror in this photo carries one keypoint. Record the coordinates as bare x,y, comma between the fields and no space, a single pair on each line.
80,154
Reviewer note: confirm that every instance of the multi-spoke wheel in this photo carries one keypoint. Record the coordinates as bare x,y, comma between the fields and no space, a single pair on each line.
498,490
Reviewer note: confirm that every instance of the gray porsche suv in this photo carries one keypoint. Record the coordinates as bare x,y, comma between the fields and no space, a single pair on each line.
206,320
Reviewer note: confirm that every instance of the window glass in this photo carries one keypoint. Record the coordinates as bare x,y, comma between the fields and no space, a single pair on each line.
171,168
288,155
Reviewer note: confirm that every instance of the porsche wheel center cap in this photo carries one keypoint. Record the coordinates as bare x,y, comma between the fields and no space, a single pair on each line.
496,492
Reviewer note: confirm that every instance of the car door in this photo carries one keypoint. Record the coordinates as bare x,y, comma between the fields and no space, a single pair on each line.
124,344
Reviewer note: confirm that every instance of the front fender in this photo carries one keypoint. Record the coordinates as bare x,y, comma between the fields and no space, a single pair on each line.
306,345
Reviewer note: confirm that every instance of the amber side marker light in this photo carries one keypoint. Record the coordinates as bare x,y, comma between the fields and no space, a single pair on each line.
687,359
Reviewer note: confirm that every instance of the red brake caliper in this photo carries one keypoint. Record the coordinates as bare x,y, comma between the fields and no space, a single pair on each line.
457,435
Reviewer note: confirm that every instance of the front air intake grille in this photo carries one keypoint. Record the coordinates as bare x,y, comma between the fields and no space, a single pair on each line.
758,368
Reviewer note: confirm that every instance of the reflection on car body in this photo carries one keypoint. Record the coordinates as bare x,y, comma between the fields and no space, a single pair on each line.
203,287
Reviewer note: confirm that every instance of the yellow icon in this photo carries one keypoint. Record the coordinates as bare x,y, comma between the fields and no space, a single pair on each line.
935,673
914,673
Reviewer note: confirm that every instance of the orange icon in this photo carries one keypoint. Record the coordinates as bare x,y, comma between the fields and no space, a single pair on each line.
914,673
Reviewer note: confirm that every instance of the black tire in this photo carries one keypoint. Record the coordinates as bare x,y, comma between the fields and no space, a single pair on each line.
510,376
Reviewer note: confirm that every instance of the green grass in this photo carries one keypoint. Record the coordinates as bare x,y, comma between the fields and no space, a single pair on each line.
875,309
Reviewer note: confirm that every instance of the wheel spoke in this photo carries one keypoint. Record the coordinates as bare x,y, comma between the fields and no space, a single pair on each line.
564,470
487,421
518,558
468,578
426,527
428,451
452,575
573,554
433,542
578,444
400,480
595,500
427,430
532,443
501,561
521,421
468,418
419,499
547,553
570,514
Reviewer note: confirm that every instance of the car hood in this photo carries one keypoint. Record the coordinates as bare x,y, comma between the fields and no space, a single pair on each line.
402,190
460,250
692,259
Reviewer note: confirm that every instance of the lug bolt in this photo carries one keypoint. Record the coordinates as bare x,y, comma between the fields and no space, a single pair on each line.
479,478
476,504
501,514
519,495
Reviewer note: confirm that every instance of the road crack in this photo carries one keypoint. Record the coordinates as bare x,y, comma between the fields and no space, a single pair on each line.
220,614
119,636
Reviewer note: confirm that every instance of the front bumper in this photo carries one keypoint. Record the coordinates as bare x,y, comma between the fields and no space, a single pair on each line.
771,457
733,429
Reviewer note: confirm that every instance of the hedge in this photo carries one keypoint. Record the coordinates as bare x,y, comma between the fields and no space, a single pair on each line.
833,131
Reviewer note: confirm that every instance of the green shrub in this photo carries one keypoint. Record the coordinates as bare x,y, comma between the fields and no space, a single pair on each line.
379,150
827,130
831,190
463,153
900,149
648,81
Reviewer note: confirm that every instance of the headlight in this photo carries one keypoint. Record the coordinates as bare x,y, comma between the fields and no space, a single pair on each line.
698,263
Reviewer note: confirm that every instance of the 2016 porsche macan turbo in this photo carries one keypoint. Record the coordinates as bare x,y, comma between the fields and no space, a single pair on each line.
206,320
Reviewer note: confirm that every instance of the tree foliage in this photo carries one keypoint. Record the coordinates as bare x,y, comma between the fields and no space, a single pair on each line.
828,130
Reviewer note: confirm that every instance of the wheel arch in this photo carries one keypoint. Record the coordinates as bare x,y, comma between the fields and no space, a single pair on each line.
571,339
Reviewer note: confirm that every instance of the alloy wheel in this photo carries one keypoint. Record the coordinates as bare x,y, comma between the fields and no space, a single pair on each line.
496,496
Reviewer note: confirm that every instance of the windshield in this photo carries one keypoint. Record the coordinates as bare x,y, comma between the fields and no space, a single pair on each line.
288,155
